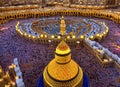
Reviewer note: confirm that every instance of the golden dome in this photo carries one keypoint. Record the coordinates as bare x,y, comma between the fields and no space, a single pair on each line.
62,48
62,71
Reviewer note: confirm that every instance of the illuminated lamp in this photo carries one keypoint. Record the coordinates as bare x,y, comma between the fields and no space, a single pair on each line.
41,35
49,41
59,37
18,30
16,77
97,35
29,35
91,37
45,36
81,37
52,36
104,33
77,42
68,37
73,36
21,33
33,37
107,30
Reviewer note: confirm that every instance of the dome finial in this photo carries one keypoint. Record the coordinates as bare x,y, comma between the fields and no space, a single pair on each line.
62,48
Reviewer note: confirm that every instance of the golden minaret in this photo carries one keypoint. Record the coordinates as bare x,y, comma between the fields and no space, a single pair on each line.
62,26
62,71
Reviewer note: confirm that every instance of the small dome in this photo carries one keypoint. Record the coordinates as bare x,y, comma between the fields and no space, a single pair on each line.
62,48
63,72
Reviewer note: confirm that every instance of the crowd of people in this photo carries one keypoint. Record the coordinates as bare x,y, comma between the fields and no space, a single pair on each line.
112,41
33,57
27,28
